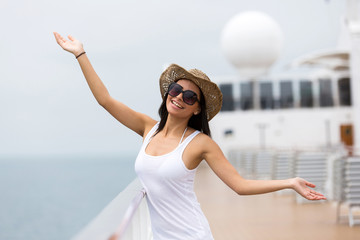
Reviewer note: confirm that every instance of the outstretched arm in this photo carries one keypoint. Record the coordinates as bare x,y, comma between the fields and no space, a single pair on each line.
137,122
228,174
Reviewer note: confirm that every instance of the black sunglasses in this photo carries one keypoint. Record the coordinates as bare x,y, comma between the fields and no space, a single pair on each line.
188,96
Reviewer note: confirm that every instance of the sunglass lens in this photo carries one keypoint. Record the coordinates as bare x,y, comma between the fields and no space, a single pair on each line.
174,89
189,97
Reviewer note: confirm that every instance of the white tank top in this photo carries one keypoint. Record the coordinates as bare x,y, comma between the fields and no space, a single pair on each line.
174,210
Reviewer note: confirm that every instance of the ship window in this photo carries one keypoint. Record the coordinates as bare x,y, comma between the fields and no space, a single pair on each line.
228,99
326,98
246,96
306,96
344,92
228,132
266,95
286,94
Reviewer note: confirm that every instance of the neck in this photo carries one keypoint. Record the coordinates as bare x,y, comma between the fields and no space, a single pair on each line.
175,126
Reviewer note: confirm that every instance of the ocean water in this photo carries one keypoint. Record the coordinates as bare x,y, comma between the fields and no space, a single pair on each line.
54,197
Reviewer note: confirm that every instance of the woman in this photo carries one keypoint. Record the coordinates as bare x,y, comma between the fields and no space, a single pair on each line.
174,147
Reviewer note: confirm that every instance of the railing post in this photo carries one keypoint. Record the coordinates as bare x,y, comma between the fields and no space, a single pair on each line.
128,216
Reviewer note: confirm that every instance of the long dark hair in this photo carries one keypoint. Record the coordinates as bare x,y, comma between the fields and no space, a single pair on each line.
198,122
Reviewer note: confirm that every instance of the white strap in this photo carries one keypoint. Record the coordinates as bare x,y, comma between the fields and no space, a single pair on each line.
152,132
183,136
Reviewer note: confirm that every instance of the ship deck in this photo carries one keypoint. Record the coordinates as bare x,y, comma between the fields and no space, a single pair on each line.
271,216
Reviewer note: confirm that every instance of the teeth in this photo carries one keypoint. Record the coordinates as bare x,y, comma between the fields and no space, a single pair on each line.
176,104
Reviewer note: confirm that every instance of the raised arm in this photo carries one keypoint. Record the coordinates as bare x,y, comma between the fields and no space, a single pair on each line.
136,121
228,174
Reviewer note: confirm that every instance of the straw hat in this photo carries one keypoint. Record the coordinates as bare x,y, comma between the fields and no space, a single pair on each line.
211,92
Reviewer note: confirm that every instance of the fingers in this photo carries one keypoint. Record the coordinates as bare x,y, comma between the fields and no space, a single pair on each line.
59,39
71,38
56,35
313,195
309,184
318,198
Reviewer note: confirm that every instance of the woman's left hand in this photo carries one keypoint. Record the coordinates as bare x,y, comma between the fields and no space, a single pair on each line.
303,187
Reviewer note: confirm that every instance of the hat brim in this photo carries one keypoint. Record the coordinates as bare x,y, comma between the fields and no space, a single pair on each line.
212,94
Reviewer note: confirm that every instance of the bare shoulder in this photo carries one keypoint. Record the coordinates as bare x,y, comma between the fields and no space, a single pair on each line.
202,138
200,148
149,124
204,143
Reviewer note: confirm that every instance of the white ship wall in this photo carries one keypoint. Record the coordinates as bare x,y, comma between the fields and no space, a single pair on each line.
289,128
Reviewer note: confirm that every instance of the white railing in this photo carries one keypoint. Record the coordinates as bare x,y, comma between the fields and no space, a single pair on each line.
311,164
348,189
131,226
333,171
124,218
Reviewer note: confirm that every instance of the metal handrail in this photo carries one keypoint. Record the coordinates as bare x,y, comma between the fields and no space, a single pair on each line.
128,216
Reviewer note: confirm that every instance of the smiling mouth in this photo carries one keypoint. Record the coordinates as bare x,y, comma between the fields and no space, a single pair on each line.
176,104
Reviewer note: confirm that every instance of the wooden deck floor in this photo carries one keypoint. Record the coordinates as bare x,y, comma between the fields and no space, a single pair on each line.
266,217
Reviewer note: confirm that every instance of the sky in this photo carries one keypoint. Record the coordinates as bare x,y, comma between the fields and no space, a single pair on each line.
46,107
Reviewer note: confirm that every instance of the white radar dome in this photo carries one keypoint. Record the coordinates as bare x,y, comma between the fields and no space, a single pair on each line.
252,41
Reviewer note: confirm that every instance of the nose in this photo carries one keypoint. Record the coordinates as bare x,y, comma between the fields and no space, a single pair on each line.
180,97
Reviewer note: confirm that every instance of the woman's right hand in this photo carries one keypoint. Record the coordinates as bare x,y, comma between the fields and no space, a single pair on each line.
72,45
303,187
